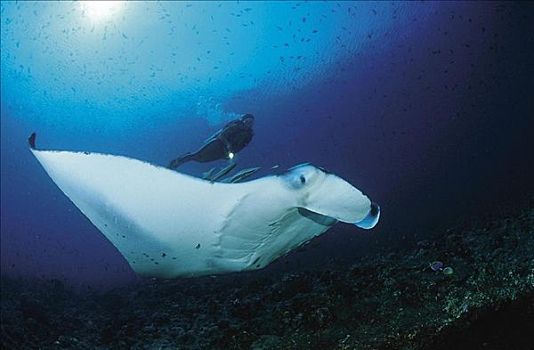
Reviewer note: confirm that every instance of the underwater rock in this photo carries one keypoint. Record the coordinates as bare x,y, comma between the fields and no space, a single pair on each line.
266,342
294,285
391,300
323,317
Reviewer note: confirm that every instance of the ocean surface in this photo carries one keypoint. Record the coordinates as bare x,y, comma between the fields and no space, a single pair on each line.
427,107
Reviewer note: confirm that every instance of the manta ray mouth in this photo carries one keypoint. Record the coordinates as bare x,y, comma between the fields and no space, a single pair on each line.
371,219
317,218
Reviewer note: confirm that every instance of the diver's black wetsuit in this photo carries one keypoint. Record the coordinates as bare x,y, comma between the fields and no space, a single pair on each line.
230,139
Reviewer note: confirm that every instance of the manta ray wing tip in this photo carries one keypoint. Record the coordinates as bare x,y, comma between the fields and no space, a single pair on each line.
31,140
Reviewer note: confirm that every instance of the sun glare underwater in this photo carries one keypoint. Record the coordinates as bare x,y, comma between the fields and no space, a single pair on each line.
378,193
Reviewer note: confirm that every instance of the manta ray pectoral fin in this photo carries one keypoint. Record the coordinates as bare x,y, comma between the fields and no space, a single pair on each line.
169,224
31,140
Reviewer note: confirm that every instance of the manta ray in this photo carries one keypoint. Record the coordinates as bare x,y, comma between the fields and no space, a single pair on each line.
168,224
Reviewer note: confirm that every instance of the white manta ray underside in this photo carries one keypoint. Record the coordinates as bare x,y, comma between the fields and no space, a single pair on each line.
168,224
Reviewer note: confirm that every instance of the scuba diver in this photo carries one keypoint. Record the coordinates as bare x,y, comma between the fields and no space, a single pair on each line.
224,144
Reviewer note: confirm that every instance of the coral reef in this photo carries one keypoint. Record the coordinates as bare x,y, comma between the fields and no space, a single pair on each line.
387,301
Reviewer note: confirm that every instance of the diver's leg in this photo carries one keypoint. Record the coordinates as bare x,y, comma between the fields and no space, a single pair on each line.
211,151
175,163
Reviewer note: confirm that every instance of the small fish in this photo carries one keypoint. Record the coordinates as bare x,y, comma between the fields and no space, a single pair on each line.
207,175
224,171
242,175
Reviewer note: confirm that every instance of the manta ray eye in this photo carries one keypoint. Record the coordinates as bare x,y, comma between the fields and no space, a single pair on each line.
297,180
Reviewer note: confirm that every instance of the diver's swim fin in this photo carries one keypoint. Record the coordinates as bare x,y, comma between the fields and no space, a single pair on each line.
175,163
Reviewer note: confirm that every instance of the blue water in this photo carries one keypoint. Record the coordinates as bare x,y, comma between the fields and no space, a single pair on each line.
428,107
